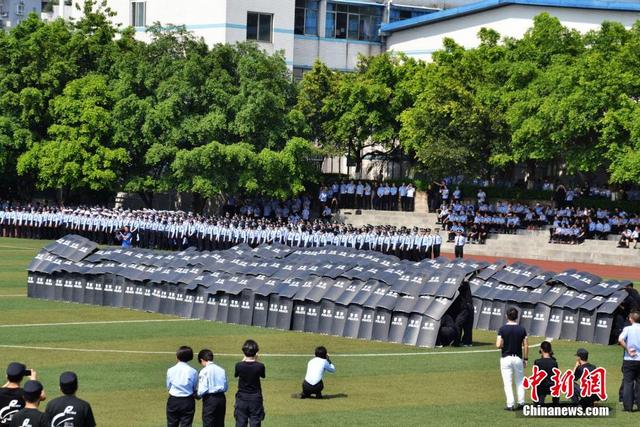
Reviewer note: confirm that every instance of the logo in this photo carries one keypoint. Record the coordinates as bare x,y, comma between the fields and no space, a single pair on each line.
555,318
6,413
397,321
413,324
326,313
259,306
602,324
585,321
568,319
61,419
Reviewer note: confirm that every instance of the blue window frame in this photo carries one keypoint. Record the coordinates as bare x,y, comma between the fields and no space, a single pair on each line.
353,22
306,19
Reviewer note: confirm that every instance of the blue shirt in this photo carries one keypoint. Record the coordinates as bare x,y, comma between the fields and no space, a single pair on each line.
126,240
182,380
631,335
212,379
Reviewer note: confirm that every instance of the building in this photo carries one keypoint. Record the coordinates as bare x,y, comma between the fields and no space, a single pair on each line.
419,37
336,31
14,11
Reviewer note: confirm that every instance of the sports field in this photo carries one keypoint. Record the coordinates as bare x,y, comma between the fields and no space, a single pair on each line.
121,357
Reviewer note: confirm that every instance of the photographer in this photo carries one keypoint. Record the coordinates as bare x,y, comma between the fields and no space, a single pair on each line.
312,383
68,409
249,407
11,399
125,237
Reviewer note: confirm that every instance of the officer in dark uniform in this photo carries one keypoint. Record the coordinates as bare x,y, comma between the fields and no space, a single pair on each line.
30,416
11,399
68,409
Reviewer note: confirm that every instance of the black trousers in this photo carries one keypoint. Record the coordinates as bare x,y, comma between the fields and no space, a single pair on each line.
631,379
436,251
214,408
459,251
308,389
180,411
249,410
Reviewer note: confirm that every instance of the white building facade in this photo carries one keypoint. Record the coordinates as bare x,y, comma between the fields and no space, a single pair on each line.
12,12
420,37
336,31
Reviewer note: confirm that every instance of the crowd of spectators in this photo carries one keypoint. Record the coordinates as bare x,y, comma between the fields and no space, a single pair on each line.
566,222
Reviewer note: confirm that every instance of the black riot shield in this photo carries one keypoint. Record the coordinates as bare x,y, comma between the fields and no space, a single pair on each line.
554,326
540,320
273,311
339,320
413,329
428,332
327,309
366,324
381,323
398,326
570,319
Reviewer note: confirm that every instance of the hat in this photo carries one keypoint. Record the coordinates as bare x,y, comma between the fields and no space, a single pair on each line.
16,369
33,387
68,378
582,354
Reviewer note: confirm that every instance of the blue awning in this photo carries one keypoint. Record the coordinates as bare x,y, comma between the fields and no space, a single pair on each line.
357,2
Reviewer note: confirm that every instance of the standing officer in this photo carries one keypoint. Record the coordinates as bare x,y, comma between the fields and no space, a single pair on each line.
182,384
630,340
30,416
68,409
212,385
437,242
512,340
459,243
11,399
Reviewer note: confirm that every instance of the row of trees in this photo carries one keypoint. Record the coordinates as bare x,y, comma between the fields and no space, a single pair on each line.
553,97
84,106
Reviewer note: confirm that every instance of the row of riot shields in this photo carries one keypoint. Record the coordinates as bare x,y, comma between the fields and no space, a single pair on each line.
569,305
370,312
334,291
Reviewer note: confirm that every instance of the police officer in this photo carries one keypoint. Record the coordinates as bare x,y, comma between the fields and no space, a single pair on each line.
68,409
11,394
182,383
212,386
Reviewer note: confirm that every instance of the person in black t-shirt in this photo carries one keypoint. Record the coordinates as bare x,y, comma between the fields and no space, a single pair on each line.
11,400
30,416
582,364
249,407
512,340
546,363
68,410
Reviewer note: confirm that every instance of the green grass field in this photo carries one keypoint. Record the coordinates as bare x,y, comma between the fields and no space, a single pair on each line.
440,386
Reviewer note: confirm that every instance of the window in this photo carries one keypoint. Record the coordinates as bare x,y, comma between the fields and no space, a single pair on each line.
306,17
259,26
138,13
20,9
398,13
353,22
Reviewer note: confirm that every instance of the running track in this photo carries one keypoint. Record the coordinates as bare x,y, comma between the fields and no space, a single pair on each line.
604,271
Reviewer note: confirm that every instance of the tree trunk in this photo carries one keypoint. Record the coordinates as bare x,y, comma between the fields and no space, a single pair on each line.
147,198
198,202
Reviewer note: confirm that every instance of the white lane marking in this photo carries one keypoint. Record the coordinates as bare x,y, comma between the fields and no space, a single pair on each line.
13,296
101,322
95,350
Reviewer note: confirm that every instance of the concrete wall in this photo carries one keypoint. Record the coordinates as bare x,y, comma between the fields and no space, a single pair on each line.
510,21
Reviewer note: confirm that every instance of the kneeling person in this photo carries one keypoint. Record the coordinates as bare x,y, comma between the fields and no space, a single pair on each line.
68,409
312,383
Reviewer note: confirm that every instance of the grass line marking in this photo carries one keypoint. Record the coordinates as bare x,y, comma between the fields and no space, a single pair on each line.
13,296
100,322
95,350
16,248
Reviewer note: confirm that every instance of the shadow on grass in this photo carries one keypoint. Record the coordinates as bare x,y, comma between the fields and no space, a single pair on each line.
324,396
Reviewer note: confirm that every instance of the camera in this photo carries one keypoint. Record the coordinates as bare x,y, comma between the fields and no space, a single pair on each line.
27,372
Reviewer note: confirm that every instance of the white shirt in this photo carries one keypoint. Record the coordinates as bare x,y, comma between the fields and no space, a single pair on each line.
316,368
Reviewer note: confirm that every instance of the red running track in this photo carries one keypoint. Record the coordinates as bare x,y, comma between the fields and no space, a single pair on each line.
604,271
